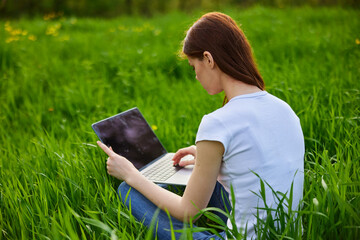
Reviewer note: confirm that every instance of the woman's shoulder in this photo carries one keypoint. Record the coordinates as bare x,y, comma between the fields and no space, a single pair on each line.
240,106
249,108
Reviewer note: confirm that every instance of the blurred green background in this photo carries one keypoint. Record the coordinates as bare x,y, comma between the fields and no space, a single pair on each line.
66,64
112,8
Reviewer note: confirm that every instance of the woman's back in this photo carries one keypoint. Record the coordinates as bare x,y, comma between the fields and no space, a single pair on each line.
261,134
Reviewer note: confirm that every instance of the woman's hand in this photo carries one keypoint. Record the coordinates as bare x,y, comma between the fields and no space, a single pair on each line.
191,150
117,166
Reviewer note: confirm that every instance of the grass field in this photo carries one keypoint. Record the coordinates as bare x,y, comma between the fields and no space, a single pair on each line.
57,76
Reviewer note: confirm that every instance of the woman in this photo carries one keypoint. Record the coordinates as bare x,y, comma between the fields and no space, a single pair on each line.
254,132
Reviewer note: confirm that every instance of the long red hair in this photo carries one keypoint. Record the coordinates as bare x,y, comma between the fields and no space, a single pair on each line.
219,34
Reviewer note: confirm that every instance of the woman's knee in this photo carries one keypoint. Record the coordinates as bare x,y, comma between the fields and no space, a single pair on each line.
127,193
124,190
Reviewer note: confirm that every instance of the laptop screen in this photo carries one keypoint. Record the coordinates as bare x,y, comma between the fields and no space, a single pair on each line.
130,136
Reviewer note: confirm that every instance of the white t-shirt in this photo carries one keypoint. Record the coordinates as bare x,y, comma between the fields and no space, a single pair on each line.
260,133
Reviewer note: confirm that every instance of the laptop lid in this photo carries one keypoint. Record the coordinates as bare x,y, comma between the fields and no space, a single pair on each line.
130,136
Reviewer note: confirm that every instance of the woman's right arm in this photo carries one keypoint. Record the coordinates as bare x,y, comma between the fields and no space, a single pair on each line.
198,191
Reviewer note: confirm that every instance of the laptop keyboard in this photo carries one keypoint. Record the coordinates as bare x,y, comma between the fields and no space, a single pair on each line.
161,170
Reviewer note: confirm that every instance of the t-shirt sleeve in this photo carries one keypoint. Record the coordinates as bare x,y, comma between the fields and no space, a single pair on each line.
211,129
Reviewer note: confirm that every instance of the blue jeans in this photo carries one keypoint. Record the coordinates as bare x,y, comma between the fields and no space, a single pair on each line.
143,210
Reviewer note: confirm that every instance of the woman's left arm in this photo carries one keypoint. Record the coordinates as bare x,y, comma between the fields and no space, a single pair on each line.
198,191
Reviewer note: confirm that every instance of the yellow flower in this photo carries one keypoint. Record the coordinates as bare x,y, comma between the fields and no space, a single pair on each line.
32,38
12,39
24,33
49,16
16,32
53,30
154,127
51,109
357,41
7,27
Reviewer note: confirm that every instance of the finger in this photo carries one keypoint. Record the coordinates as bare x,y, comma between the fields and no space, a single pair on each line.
184,163
107,150
179,154
111,148
177,157
182,153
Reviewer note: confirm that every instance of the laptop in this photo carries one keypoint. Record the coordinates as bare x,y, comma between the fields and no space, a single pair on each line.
130,136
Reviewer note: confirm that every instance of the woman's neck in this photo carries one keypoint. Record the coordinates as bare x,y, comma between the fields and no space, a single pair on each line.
233,87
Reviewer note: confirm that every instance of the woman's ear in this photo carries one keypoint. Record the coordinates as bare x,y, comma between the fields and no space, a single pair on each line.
209,59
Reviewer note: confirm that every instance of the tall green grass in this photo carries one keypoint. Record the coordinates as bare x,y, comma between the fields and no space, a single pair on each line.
59,76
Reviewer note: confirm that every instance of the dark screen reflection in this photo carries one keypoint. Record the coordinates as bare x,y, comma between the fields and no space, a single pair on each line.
130,136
